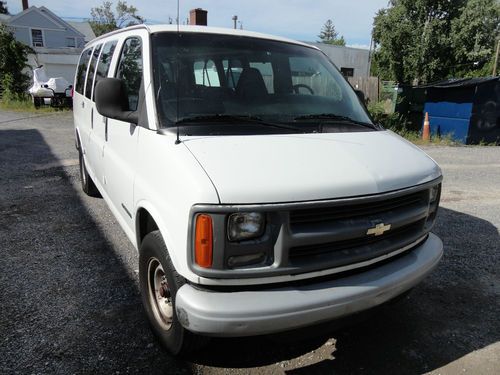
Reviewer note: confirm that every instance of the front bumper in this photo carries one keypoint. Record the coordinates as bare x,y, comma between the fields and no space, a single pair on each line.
249,313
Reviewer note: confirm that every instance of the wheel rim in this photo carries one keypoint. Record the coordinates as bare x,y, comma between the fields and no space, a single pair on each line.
159,295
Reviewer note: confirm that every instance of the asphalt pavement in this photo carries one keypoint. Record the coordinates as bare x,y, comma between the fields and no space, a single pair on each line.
69,300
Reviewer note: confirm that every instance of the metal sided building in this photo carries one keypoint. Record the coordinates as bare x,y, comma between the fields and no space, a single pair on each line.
468,109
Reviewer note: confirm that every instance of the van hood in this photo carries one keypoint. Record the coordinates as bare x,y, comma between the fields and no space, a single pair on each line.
304,167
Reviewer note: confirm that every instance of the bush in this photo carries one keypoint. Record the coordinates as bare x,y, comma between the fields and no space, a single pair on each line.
393,121
13,60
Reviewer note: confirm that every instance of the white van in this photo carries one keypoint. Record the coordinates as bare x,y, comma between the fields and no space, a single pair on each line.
249,176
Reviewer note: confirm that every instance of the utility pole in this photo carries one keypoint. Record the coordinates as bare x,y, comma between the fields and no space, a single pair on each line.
496,59
235,20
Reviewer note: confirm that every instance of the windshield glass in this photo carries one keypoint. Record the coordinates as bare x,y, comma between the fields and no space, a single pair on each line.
209,78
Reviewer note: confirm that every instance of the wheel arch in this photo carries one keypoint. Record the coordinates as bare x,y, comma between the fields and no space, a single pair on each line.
147,220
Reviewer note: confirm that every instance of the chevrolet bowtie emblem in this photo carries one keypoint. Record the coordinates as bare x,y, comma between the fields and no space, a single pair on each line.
379,229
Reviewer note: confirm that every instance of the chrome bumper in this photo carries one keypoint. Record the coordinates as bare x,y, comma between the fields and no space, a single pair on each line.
249,313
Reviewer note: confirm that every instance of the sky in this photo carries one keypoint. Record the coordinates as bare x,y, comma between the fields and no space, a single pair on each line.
296,19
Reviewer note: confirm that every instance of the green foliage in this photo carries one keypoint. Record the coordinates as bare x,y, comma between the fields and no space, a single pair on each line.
393,121
420,41
13,60
399,125
3,7
329,35
104,19
473,37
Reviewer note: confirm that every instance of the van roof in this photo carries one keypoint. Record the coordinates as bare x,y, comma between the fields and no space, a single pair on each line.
201,29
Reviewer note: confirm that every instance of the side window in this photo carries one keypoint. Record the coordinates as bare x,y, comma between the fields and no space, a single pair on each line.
205,73
232,70
104,62
82,70
90,75
130,70
266,70
309,72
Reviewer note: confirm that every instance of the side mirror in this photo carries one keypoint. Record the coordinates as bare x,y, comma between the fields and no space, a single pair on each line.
361,95
111,101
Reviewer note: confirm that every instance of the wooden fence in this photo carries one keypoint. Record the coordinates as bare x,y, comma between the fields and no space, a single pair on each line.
369,85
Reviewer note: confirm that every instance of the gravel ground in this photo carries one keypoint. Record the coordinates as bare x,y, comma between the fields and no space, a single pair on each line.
69,290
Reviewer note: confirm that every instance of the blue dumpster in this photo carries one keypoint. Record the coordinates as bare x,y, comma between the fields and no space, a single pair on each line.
468,110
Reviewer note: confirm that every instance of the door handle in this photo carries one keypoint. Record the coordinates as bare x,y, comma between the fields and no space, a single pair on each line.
92,118
83,104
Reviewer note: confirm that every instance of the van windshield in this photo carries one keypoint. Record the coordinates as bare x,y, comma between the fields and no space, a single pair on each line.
207,81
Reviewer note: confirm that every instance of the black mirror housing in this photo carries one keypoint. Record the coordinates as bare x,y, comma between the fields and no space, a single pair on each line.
111,100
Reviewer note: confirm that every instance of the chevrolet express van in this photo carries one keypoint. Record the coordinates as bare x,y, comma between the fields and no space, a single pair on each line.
248,174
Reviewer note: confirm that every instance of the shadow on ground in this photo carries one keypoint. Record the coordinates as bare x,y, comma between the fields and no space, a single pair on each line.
68,303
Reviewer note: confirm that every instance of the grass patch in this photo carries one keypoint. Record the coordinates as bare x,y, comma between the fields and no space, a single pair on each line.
26,105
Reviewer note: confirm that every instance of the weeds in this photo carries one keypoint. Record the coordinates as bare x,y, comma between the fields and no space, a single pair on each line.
23,104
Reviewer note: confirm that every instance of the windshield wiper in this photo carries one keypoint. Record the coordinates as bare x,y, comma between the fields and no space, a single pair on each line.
334,117
231,118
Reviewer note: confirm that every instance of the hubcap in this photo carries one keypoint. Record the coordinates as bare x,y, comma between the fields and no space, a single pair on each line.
160,298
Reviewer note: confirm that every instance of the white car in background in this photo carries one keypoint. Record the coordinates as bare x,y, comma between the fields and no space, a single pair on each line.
245,170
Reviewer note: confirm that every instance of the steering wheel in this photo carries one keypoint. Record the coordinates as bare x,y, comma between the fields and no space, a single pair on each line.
301,85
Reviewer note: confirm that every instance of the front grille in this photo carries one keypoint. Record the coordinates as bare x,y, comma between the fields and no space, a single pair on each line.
317,215
328,237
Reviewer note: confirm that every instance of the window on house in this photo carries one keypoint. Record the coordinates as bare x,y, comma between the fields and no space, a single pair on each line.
71,42
37,37
130,70
347,72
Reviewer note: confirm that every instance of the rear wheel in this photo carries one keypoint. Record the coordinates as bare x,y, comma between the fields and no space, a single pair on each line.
159,283
88,185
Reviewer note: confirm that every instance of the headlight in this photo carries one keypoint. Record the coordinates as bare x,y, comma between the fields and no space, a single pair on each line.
245,226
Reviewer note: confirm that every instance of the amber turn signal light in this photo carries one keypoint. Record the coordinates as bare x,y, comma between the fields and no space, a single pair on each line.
203,241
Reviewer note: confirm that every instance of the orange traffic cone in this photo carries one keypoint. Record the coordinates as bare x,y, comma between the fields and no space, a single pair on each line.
426,132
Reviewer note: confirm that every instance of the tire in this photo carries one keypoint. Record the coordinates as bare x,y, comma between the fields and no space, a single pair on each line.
159,283
88,185
37,102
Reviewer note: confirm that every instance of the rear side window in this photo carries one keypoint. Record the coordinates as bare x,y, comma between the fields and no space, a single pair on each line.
266,71
82,70
104,62
205,73
130,70
90,75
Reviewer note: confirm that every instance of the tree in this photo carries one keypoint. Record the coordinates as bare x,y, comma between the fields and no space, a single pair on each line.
13,60
329,35
3,7
105,20
418,41
473,37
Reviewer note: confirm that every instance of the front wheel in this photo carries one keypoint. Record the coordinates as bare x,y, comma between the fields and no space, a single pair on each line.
159,283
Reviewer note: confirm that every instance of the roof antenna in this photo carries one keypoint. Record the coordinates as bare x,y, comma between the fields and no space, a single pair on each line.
177,141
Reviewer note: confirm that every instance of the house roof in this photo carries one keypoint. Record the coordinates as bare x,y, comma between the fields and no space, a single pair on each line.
460,82
4,18
84,28
44,12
